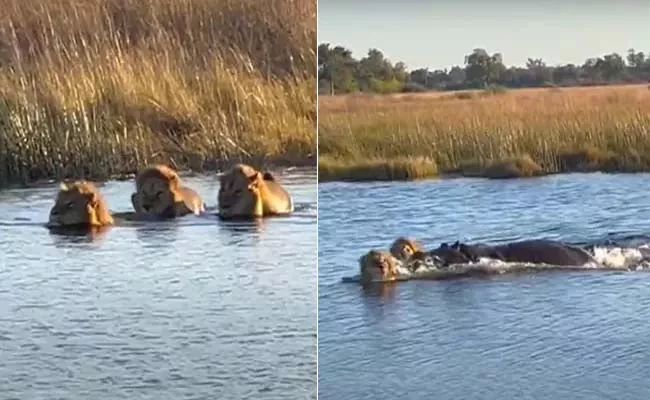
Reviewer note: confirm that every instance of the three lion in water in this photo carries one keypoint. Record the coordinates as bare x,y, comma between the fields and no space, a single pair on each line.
160,194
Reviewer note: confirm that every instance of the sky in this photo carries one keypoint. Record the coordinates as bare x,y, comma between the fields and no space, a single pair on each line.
438,34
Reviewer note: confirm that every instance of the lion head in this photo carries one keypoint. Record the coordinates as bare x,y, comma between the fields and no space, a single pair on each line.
159,192
403,248
239,192
248,193
378,266
79,204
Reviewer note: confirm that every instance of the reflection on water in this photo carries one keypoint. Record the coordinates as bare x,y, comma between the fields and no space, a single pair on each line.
194,308
567,335
61,236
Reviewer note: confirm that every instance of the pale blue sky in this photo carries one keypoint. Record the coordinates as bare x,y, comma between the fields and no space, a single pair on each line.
438,34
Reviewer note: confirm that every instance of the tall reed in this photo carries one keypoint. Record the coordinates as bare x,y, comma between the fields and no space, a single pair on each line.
95,88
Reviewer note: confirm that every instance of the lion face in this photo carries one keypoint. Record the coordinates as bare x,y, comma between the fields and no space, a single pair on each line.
403,248
157,192
155,196
239,192
79,204
378,266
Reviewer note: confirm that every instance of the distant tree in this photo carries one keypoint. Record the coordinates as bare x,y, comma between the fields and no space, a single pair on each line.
639,65
336,68
340,72
373,68
482,68
611,66
399,72
419,76
540,73
590,70
457,78
439,79
635,59
566,74
519,77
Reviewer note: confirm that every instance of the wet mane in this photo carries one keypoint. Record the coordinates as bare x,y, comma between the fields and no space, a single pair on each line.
81,187
159,172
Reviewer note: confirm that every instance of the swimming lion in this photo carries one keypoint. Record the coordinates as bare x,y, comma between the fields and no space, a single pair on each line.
160,193
248,193
377,266
403,248
79,204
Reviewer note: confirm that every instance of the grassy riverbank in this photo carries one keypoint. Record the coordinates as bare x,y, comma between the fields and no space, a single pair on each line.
96,88
496,134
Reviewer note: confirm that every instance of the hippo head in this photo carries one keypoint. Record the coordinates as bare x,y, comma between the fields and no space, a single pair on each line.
447,255
424,259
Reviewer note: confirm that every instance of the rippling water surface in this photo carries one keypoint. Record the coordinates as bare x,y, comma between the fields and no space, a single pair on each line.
578,335
190,309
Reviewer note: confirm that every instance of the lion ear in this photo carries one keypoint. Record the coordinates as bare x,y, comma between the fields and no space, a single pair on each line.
268,176
254,184
256,176
175,181
362,259
93,199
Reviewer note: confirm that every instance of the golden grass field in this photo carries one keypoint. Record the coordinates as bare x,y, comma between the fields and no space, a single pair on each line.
526,132
95,88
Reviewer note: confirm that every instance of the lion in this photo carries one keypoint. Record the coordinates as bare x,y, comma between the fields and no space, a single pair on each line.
403,248
378,266
79,204
248,193
160,193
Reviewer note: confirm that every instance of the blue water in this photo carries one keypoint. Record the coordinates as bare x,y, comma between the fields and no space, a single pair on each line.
189,309
561,335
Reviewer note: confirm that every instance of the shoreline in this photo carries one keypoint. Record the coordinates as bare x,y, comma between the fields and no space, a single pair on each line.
400,176
183,170
452,176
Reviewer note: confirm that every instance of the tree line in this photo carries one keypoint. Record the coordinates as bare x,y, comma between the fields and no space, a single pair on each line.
339,72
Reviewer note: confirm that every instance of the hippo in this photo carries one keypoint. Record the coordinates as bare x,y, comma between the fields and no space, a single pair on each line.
535,251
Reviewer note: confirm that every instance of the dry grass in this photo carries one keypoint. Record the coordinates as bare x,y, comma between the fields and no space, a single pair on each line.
520,133
375,170
93,88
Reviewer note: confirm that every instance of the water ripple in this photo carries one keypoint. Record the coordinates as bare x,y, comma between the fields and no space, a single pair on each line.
179,310
573,335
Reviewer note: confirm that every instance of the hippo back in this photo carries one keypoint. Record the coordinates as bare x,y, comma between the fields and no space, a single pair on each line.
476,251
544,252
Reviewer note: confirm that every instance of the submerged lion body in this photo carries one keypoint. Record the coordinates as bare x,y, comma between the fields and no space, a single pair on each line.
160,192
248,193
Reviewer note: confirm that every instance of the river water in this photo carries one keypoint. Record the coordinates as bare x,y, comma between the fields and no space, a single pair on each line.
545,335
191,309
